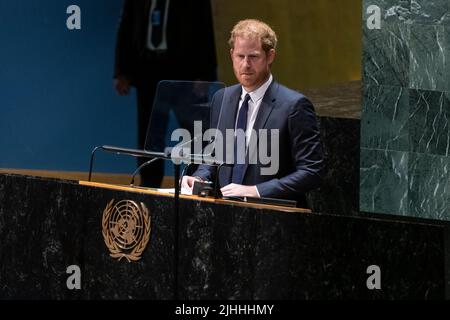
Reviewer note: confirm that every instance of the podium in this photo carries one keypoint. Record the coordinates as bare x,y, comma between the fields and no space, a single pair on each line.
224,249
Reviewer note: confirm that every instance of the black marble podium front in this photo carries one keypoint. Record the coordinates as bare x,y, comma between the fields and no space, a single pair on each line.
225,250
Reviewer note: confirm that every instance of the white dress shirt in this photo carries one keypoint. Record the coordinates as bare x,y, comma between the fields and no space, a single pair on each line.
253,106
163,44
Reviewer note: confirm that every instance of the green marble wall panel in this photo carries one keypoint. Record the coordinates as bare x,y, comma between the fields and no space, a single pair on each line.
429,122
430,11
429,186
405,119
385,118
411,11
386,55
391,10
429,57
384,181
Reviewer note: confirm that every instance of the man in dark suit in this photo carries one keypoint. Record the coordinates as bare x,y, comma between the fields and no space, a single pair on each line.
161,40
258,102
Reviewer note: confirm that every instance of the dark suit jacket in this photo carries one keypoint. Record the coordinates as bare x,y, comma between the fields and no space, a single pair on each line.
190,39
300,149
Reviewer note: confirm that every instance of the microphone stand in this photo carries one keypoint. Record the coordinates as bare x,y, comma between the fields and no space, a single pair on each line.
131,152
139,169
176,228
155,156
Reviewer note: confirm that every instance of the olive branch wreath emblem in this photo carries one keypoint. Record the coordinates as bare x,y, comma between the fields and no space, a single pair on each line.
133,212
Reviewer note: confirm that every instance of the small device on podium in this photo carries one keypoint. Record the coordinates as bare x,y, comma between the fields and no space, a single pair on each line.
203,188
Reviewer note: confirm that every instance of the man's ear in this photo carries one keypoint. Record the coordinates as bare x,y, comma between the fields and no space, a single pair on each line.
271,55
231,54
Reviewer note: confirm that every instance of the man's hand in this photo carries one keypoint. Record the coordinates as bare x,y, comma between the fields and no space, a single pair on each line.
239,190
188,182
122,85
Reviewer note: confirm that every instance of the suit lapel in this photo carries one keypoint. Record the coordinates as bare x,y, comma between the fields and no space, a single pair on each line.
230,106
264,112
266,106
228,119
147,6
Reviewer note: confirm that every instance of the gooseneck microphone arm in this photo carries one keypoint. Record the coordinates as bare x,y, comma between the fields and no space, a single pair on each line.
91,162
139,169
131,152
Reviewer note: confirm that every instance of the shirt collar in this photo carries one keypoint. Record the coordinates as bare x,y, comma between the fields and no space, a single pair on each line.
259,93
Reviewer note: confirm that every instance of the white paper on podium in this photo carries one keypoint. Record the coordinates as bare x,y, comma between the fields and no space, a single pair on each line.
172,190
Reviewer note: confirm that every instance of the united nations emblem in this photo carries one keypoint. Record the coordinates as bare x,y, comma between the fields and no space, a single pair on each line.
126,229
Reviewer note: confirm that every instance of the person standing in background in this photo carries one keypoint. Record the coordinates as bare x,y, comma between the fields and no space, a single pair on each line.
161,40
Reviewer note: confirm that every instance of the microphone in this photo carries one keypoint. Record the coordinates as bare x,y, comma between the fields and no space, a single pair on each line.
180,152
168,154
139,169
127,151
211,157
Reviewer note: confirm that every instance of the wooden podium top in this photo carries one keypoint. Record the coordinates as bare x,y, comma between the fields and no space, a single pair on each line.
193,197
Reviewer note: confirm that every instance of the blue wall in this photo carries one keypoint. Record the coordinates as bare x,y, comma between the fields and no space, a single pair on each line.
56,96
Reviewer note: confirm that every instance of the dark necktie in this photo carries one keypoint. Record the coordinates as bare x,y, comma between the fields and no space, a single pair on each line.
158,22
238,169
